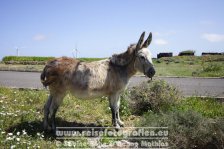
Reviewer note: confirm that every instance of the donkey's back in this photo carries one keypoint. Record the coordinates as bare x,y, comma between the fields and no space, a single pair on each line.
58,70
83,79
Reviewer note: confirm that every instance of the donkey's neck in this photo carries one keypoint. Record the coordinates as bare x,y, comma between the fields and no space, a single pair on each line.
131,71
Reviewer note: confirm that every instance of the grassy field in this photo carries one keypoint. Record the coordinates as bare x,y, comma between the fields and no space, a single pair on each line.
21,114
202,66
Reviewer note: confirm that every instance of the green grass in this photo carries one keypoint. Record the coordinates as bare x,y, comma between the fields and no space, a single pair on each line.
208,107
196,66
25,58
21,114
175,69
192,70
14,59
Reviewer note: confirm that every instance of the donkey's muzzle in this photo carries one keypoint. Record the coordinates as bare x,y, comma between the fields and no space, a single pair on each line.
151,72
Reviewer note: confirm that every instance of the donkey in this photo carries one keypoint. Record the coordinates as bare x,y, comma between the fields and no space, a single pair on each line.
107,77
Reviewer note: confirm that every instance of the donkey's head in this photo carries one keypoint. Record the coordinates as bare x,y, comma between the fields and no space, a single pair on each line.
143,57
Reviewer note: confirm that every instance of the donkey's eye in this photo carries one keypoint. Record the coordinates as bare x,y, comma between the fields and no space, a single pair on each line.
142,57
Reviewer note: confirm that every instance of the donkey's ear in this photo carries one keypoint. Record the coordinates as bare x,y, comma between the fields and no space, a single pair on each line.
140,41
148,41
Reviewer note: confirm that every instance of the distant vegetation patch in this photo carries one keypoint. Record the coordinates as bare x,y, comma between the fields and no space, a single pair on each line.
186,53
193,59
27,60
36,60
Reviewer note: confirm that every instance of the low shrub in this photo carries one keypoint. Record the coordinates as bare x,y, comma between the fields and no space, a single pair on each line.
158,61
191,63
155,96
211,67
177,61
212,58
188,129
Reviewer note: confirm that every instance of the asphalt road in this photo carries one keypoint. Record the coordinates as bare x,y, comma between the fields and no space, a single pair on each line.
188,86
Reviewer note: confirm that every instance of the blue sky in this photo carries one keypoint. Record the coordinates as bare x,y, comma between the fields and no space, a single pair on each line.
99,28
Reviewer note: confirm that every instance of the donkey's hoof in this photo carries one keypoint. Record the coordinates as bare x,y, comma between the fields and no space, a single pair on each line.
121,123
117,127
48,129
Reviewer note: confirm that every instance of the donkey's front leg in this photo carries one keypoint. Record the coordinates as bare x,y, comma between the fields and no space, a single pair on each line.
114,100
118,118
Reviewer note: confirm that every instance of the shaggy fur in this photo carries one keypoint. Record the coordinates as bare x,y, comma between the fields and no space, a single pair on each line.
124,58
93,79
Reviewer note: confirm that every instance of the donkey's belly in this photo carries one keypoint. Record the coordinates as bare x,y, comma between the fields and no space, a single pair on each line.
85,94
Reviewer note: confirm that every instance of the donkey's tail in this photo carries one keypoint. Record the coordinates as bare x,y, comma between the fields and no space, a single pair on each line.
48,76
54,70
43,77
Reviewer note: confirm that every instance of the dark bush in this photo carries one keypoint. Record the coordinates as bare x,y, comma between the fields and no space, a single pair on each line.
188,129
156,96
211,53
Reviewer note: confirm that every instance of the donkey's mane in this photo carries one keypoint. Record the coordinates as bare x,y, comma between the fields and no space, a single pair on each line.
124,58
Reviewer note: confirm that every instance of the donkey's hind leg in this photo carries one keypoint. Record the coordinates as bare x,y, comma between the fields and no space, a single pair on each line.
55,103
46,112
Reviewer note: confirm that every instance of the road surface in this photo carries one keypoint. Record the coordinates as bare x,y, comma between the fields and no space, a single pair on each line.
188,86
